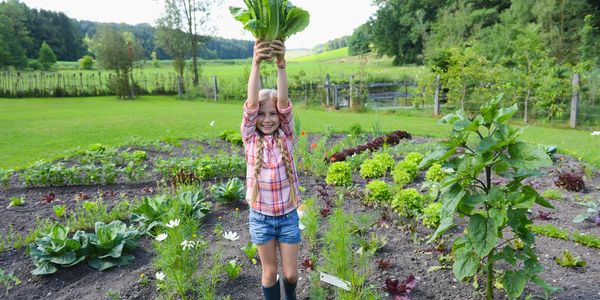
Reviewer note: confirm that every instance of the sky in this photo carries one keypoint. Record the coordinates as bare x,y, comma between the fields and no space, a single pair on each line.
329,19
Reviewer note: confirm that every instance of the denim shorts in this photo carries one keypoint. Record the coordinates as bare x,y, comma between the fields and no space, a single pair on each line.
284,228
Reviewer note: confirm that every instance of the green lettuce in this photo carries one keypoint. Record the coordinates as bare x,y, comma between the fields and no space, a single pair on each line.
271,19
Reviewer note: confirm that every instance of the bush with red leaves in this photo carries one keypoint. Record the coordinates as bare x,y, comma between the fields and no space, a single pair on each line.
400,290
570,182
390,139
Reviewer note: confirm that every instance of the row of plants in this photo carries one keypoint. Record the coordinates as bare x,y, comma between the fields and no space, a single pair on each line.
550,230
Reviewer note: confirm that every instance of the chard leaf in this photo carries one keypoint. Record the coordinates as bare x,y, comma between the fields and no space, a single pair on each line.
296,20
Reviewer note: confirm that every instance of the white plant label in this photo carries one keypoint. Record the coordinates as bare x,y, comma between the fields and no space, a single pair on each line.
335,281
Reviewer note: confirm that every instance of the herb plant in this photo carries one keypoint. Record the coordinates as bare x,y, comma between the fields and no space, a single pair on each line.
271,19
479,148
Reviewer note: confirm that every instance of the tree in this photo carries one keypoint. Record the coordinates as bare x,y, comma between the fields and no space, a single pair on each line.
170,38
86,62
117,51
13,34
194,16
360,40
46,56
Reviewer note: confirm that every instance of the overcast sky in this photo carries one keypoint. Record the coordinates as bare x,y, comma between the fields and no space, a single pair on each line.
329,19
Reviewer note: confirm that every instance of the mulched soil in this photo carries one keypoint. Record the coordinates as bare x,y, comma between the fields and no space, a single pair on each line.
407,257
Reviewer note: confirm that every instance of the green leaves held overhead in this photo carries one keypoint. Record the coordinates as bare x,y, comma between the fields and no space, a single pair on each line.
271,19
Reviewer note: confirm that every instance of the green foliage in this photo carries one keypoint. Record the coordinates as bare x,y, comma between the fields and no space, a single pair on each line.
360,40
414,158
378,192
46,56
55,249
568,260
271,20
593,211
233,269
553,194
386,159
310,220
250,251
549,230
431,215
405,172
232,191
435,173
586,240
372,244
86,62
339,173
59,210
490,148
232,136
355,130
372,168
408,203
110,243
5,177
8,280
16,201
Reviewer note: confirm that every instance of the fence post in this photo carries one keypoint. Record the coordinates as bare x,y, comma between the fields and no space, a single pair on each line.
216,93
436,97
351,88
327,89
574,100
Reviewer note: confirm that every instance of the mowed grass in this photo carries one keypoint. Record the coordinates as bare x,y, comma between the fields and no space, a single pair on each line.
34,129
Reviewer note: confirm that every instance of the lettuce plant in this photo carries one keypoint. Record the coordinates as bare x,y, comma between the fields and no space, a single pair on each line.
339,173
271,19
386,159
408,203
110,243
431,215
378,192
435,173
372,168
149,213
250,251
232,136
479,148
568,260
194,203
233,190
55,249
233,269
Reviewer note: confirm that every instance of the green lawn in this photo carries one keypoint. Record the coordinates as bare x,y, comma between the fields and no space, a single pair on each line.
33,129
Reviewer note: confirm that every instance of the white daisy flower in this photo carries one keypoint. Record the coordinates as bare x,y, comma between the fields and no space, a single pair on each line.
160,276
187,244
161,237
230,235
173,223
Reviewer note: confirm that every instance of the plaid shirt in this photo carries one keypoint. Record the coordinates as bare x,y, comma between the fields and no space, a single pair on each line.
273,189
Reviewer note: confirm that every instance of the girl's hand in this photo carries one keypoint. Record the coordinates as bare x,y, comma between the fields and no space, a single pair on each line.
262,51
278,51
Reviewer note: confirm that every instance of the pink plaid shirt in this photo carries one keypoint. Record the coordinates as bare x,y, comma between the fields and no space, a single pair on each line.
273,186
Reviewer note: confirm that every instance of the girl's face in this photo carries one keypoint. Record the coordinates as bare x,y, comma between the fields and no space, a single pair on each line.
268,118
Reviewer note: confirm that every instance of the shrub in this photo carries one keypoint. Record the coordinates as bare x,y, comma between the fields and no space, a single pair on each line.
378,191
435,173
371,168
339,173
408,203
431,215
386,159
86,62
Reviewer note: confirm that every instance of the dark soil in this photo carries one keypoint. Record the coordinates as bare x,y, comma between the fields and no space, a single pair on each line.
406,256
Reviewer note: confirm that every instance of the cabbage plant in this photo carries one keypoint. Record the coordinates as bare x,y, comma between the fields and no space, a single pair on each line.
271,19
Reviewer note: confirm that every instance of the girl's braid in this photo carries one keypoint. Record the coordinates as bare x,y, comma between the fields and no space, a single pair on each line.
288,168
260,147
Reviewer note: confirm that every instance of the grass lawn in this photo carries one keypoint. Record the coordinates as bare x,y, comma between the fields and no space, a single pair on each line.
34,129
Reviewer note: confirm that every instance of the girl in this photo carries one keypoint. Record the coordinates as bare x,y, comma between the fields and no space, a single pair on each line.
271,179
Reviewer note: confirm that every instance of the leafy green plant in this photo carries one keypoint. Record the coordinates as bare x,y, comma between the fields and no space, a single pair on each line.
271,20
310,220
232,136
372,168
16,201
355,130
593,211
586,240
488,147
405,172
372,244
568,260
110,243
431,215
408,203
55,249
549,230
233,269
194,204
59,210
339,173
553,194
5,177
233,190
435,173
250,251
8,280
386,159
149,213
378,192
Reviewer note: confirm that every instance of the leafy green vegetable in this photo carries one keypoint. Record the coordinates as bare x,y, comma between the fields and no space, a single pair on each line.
233,190
54,249
568,260
110,243
271,19
339,173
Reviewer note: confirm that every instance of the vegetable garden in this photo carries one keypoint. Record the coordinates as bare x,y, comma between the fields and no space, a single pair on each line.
476,214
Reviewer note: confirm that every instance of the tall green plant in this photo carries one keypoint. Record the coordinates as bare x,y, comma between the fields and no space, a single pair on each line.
480,148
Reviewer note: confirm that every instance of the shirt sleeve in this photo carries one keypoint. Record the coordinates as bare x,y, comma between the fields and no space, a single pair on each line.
248,126
286,120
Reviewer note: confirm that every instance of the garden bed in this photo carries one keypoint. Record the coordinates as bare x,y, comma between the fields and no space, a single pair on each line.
407,254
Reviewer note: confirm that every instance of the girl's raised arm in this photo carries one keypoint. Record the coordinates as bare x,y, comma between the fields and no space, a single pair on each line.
261,52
